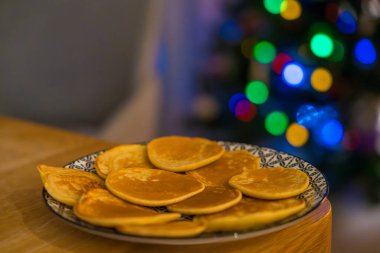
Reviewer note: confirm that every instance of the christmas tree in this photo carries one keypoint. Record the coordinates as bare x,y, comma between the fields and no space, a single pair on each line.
302,77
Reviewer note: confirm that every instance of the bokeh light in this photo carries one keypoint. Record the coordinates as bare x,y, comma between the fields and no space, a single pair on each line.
231,31
297,135
273,6
205,107
279,62
307,115
245,110
321,79
327,113
338,53
276,123
365,52
290,9
331,12
293,74
246,47
331,133
321,45
264,52
257,92
346,22
234,99
352,140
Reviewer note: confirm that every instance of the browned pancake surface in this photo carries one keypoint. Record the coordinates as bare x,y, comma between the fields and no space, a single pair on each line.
230,164
100,207
271,183
177,153
152,187
250,213
173,229
123,156
67,185
212,199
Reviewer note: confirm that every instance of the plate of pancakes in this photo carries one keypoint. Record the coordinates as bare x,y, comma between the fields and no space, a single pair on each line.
179,190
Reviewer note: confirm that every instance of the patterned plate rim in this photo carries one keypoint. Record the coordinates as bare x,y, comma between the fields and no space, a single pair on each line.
204,238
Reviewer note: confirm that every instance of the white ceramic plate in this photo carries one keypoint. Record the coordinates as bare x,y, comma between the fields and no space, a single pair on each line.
317,191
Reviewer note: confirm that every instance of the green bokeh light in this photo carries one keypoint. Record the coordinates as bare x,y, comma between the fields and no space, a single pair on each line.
276,123
273,6
321,45
338,53
257,92
264,52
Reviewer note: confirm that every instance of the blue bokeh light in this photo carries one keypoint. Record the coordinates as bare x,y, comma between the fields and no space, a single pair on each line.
327,113
293,74
331,133
307,115
234,99
231,31
365,52
346,22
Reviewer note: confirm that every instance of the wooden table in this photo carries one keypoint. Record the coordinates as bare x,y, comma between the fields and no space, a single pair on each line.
26,225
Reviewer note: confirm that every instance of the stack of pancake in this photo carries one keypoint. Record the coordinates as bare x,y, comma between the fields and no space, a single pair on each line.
221,190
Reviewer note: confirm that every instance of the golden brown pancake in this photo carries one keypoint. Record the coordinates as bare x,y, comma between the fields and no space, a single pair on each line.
45,170
271,183
67,185
123,156
173,229
211,200
177,153
149,187
230,164
251,213
100,207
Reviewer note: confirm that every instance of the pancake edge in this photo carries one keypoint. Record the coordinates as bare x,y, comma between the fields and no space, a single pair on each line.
209,210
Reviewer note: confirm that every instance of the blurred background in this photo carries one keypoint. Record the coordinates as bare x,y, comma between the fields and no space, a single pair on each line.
300,76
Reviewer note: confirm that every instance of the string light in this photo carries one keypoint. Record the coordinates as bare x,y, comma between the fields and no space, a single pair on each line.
321,79
234,99
297,135
293,74
338,52
264,52
245,110
327,113
276,123
321,45
365,52
331,133
290,9
257,92
307,115
273,6
280,61
346,22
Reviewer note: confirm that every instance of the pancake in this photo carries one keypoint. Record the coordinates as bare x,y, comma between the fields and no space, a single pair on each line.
100,207
149,187
271,183
211,200
174,229
178,154
123,156
230,164
251,213
67,185
45,170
